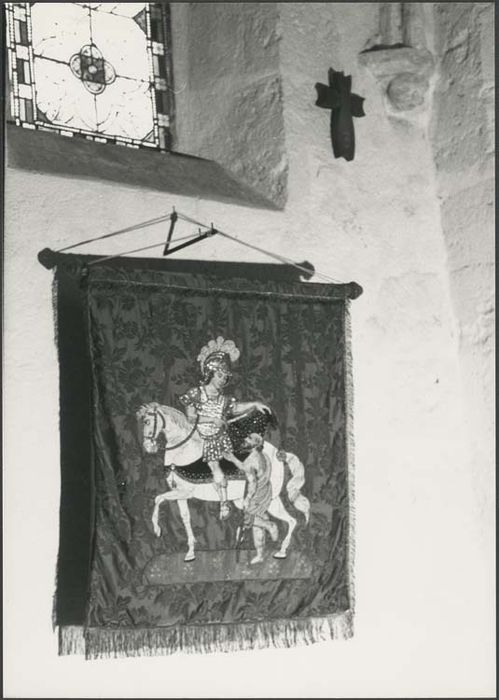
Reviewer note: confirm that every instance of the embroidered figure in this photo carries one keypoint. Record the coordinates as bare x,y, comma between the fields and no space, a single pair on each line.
182,457
257,468
209,409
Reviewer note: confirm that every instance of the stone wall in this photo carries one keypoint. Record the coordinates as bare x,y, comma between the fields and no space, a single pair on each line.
391,220
462,134
228,85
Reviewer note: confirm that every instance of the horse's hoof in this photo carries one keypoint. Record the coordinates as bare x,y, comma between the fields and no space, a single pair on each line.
280,555
189,557
157,531
256,560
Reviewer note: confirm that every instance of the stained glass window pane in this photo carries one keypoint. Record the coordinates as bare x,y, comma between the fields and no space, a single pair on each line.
98,70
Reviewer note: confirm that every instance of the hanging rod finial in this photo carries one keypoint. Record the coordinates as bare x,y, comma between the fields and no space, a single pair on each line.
47,258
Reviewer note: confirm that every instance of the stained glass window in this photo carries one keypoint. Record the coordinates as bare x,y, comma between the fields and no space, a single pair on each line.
97,70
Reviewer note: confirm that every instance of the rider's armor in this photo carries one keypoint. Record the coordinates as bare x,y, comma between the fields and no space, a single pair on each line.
216,441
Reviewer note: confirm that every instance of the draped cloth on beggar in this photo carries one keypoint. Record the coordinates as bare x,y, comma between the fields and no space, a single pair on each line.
219,486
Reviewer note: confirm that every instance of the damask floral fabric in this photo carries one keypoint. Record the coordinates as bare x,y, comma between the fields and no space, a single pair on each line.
145,330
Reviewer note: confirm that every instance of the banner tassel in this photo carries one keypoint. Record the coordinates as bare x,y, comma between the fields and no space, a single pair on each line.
97,643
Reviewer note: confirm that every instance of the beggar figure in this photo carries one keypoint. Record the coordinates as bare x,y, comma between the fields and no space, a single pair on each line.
257,469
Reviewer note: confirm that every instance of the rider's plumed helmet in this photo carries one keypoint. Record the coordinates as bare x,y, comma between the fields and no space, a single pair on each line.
217,354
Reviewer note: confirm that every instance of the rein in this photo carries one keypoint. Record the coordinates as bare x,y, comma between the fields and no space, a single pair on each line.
182,442
155,428
154,436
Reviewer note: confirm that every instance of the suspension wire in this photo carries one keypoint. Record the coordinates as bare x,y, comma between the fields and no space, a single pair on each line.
138,250
280,258
167,217
136,227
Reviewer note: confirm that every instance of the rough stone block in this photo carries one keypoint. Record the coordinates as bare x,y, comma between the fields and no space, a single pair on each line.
386,63
468,224
44,152
232,111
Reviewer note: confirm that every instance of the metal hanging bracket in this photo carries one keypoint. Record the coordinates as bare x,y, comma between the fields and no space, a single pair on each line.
207,234
173,219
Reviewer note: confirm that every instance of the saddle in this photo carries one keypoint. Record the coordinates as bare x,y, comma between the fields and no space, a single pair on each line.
255,421
198,472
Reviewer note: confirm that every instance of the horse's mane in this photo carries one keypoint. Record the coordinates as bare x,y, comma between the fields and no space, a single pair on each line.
176,417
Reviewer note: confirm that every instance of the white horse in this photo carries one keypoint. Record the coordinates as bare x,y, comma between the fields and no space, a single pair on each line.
184,446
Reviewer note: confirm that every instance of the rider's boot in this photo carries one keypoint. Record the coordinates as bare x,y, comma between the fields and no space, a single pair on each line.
220,484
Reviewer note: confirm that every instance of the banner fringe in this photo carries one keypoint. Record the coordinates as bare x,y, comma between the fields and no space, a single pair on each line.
97,643
54,290
55,318
71,640
349,404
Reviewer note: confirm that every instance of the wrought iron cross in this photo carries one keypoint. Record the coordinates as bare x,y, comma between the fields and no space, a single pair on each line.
344,105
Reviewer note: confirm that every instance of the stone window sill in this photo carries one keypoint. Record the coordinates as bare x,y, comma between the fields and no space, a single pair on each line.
175,173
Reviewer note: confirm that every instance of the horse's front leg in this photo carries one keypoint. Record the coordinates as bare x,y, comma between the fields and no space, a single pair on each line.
155,514
186,519
174,495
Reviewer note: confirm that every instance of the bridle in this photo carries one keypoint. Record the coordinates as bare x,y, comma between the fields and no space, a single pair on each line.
155,431
154,437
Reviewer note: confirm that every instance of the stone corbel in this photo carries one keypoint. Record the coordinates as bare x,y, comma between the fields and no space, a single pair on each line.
398,57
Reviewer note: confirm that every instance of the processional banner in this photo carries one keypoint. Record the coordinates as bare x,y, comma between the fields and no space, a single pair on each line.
219,489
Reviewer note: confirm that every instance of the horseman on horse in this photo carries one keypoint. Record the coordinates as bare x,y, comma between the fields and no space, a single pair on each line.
216,437
209,409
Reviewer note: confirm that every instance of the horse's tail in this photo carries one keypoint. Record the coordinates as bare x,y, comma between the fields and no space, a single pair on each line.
294,485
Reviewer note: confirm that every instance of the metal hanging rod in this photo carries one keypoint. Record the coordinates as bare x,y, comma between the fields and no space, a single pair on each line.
48,258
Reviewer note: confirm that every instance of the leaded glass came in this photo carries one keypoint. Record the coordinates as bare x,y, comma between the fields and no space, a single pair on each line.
99,70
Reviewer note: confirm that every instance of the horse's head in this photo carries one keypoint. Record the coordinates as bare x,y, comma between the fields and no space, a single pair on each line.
157,419
153,423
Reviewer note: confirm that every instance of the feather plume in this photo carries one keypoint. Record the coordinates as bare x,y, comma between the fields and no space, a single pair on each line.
219,345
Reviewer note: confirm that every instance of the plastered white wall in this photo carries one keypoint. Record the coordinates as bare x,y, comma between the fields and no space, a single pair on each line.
462,132
424,589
